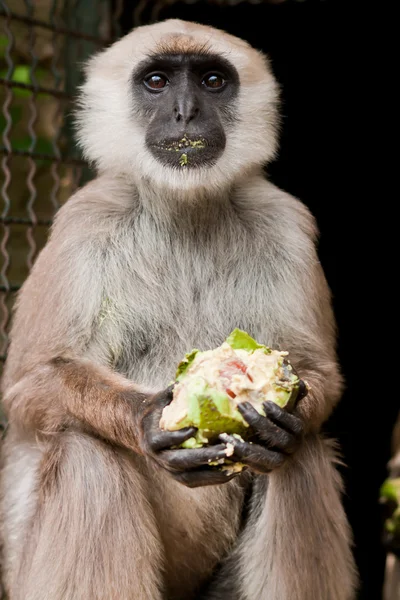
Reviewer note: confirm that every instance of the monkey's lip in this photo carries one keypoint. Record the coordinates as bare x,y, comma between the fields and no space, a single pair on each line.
183,145
186,152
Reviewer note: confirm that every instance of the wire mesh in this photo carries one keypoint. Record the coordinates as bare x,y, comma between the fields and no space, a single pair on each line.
42,48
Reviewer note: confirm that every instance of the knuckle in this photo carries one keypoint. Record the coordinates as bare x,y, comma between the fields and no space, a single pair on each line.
239,448
286,440
151,441
151,448
163,458
147,443
268,439
273,435
292,447
258,421
187,480
298,426
277,459
173,460
145,423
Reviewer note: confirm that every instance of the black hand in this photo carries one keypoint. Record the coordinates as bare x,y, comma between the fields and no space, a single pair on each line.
274,438
188,466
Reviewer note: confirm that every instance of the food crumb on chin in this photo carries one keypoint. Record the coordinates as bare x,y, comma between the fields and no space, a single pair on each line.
183,160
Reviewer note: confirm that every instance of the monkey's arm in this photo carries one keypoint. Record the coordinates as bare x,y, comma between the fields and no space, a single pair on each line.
296,543
74,392
305,327
53,379
78,393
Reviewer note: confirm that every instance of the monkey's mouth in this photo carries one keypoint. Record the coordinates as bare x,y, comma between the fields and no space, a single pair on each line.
186,152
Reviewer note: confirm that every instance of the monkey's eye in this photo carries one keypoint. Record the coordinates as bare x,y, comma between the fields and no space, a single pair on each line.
156,82
214,81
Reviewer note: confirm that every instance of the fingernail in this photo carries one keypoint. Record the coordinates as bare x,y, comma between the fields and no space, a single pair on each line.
270,404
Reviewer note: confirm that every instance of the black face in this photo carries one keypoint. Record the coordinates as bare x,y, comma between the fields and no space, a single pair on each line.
187,100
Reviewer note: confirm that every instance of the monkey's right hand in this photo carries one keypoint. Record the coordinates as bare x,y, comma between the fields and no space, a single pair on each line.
188,466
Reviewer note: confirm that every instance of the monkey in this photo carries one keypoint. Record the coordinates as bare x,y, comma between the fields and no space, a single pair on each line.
179,239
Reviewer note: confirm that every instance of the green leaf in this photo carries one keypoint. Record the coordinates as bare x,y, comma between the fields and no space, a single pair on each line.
22,74
211,410
23,144
390,490
44,146
240,340
185,364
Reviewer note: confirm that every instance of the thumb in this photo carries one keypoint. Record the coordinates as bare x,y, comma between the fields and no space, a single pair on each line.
164,397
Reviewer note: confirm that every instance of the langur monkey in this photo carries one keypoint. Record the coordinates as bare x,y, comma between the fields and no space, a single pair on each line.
178,240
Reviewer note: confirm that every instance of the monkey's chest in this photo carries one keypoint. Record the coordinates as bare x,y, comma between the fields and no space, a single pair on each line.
152,351
167,312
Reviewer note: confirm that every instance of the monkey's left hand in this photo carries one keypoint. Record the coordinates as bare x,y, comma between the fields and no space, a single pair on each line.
275,437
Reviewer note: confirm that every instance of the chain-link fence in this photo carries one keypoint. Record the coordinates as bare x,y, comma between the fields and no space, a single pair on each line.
42,47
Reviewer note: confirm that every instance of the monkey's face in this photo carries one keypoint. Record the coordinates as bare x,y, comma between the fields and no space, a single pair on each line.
187,102
179,106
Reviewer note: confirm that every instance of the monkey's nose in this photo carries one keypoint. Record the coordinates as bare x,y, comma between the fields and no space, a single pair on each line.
186,111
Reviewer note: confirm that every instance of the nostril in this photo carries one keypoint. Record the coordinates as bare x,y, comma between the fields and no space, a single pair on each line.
177,114
194,113
186,114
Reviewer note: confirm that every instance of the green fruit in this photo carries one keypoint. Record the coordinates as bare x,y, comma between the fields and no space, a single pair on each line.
213,411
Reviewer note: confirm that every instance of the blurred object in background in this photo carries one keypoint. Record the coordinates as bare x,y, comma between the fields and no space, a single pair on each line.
390,499
42,48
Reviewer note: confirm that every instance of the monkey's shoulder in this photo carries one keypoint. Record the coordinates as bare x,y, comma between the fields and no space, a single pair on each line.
96,210
276,216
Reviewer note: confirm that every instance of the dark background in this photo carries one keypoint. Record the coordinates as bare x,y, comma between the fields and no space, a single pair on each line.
328,73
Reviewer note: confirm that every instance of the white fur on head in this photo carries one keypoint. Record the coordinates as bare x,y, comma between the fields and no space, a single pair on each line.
112,138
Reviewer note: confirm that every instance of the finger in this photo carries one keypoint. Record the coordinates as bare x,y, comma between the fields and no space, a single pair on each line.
303,391
272,435
203,477
153,411
185,459
157,439
162,399
258,458
283,419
